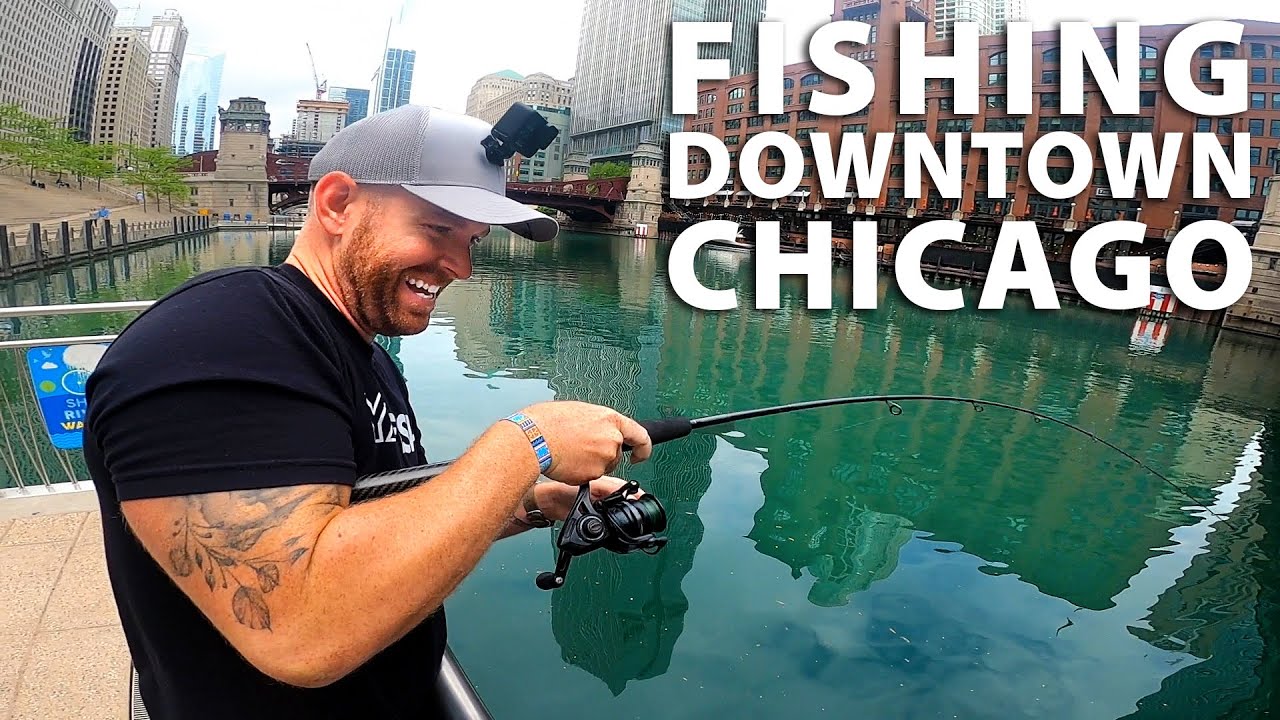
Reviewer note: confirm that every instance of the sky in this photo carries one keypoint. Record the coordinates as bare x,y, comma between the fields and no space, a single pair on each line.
265,41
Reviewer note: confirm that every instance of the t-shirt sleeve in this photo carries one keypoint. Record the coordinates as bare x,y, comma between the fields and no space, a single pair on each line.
229,387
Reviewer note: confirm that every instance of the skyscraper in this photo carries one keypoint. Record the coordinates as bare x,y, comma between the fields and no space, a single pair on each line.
167,38
622,90
357,99
125,92
195,113
45,65
95,18
395,79
991,15
744,14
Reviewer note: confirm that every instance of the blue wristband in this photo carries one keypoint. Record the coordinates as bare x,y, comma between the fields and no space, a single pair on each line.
538,442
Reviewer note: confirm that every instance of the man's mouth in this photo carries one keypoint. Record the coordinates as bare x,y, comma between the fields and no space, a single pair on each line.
423,289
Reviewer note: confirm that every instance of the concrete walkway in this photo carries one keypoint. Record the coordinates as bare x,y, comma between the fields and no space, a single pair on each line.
62,654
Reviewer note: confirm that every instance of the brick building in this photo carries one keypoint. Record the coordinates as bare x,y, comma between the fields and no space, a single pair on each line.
727,109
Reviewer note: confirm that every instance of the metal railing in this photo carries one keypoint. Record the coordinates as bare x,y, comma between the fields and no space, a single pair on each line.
26,453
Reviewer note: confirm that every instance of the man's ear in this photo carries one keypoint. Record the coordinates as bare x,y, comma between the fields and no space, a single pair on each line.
331,202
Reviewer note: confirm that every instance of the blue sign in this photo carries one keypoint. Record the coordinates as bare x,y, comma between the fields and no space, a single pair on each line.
58,375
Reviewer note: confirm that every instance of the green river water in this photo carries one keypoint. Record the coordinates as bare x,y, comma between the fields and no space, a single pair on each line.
840,563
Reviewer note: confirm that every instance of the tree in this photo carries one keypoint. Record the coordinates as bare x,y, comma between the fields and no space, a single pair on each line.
154,170
611,169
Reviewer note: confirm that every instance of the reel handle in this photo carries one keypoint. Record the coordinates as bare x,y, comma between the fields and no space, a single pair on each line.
663,429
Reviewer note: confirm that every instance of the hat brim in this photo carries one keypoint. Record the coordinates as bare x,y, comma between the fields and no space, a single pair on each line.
483,206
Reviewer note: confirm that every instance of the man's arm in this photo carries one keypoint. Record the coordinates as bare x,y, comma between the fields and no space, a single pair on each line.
279,571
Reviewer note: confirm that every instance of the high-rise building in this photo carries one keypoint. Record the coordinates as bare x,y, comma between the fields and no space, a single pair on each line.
125,91
493,94
622,90
395,79
96,17
47,63
489,88
319,120
537,89
167,37
195,114
357,99
991,15
744,14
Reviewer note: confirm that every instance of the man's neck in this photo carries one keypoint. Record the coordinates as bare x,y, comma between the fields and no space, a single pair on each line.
321,273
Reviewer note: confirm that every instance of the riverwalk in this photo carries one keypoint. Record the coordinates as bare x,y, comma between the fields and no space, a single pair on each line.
62,652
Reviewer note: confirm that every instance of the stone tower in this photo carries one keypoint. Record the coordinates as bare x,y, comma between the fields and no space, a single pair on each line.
240,182
644,191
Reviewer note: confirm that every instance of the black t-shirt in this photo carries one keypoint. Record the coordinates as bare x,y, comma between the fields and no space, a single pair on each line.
237,380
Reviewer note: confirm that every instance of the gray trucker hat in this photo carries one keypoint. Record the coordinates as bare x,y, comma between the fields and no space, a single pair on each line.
437,156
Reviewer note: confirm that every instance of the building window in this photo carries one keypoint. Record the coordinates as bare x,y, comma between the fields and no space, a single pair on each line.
1255,127
736,94
811,79
1147,99
1051,55
1257,101
1000,58
1257,75
1257,50
1146,52
996,79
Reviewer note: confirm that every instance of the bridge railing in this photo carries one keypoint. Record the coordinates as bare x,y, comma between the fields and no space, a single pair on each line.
614,189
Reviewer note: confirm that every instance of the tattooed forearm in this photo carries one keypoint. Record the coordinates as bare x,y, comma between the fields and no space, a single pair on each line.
234,540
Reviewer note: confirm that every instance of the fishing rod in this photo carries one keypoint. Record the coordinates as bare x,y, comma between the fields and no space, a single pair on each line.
666,429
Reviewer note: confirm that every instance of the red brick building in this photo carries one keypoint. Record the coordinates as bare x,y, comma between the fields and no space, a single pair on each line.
727,109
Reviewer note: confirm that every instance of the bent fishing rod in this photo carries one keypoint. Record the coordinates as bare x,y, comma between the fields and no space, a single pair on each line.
664,430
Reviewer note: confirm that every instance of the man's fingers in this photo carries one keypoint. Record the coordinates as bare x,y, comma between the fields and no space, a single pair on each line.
634,435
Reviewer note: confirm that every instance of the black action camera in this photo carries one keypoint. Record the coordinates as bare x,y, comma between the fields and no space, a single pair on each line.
616,523
521,130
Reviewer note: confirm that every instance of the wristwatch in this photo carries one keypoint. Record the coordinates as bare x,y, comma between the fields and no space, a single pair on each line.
533,515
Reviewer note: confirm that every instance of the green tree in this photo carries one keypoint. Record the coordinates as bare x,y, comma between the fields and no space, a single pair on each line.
155,172
611,169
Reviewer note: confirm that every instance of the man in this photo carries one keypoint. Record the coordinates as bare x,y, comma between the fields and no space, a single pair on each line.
227,424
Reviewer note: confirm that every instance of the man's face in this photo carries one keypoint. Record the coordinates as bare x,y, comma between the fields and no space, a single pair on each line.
401,255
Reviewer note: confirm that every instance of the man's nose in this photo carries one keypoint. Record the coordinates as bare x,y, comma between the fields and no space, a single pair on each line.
459,263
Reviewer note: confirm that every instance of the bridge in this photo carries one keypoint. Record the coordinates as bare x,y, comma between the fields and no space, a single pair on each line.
588,201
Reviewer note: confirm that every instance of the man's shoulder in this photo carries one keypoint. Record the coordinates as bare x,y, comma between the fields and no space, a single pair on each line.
245,322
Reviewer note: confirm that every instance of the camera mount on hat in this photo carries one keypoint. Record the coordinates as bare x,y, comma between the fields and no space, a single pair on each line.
520,130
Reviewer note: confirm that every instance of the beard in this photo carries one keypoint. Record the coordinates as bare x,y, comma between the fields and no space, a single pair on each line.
370,285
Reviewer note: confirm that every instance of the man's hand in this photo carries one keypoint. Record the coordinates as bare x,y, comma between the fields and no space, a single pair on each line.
586,440
556,499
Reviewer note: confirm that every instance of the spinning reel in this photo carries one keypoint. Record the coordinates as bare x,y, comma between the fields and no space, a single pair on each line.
616,523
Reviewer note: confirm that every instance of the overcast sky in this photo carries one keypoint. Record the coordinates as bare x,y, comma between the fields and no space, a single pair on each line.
458,42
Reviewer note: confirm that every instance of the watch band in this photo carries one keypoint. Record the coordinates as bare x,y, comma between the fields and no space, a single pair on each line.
539,443
533,515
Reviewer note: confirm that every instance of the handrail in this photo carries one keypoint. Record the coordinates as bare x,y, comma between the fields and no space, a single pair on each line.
84,308
44,342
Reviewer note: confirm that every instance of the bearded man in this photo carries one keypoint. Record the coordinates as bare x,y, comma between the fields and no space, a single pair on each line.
227,424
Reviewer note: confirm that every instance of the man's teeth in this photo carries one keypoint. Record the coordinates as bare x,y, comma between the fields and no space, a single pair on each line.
423,288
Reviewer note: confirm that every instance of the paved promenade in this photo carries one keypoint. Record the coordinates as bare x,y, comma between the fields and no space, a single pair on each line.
62,654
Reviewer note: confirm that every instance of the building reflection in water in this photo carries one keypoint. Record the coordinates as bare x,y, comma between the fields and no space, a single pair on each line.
845,490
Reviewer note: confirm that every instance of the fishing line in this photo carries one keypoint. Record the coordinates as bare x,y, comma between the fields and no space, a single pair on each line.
672,428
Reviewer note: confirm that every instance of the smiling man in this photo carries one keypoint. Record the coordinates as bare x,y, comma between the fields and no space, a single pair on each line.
227,424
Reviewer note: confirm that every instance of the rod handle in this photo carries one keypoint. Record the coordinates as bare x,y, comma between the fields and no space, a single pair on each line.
663,429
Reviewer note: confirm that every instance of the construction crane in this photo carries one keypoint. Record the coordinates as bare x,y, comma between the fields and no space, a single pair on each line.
321,87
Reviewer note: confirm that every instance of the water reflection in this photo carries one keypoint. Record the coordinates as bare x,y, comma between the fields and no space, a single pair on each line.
845,560
856,502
